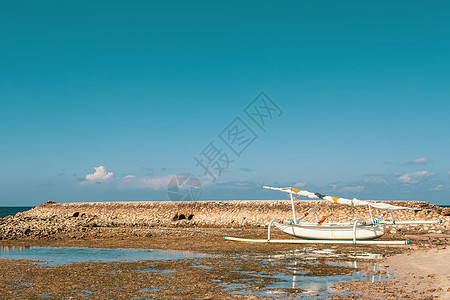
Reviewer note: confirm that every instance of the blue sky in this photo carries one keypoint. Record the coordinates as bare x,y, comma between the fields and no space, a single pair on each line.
140,89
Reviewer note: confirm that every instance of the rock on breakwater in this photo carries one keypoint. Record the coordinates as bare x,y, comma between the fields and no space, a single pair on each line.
78,219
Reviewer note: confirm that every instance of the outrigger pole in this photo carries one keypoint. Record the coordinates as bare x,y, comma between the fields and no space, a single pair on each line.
299,241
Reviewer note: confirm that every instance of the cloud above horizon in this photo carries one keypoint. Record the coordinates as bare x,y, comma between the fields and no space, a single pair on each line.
156,183
353,189
439,187
100,175
300,184
129,177
419,161
415,177
376,185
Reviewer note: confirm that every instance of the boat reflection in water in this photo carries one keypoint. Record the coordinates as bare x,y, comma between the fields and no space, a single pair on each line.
323,285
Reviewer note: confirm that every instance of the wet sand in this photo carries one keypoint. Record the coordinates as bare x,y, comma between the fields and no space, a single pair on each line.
419,261
427,270
421,274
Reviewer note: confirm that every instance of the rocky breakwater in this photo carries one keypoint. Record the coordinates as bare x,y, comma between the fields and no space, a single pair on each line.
74,220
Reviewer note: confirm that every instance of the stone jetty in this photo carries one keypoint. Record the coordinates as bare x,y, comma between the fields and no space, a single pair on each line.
73,220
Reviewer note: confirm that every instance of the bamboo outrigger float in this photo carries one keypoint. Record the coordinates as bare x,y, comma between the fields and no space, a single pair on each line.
358,231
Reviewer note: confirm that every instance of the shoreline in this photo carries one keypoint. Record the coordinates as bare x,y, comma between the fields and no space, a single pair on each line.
421,274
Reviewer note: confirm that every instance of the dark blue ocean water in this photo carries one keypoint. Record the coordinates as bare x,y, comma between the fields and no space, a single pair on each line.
12,210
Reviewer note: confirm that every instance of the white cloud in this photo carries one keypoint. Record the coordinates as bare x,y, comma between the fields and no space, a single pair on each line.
376,180
439,187
157,183
300,184
129,177
419,161
415,177
100,175
353,189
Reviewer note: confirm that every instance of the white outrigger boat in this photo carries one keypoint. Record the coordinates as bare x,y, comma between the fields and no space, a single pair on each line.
359,230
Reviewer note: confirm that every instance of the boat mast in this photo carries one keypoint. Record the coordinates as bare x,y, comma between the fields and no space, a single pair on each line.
293,208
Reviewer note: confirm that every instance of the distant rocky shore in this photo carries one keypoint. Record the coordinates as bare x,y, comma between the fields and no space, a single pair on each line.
76,220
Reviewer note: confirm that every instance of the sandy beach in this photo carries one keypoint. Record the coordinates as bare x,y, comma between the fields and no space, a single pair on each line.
421,274
421,270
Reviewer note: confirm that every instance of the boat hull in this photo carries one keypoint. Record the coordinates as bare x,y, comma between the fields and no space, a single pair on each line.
331,231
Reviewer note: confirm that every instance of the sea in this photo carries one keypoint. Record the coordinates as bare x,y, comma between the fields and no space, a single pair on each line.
12,210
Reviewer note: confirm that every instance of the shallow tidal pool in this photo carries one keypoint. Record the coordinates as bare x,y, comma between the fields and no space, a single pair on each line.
53,256
307,272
